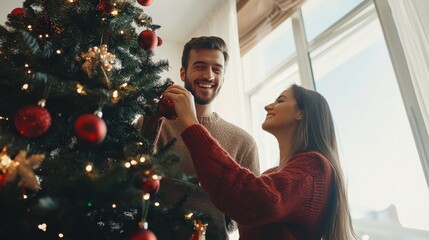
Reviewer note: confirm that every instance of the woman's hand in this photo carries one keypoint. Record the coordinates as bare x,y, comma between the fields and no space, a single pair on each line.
183,104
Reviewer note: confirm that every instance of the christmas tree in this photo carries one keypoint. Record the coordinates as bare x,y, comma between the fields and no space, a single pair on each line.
74,76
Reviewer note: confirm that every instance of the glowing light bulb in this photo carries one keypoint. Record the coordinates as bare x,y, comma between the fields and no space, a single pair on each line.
189,216
43,227
88,167
146,196
115,94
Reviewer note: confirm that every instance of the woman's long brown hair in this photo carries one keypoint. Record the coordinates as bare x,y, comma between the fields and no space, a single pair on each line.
315,132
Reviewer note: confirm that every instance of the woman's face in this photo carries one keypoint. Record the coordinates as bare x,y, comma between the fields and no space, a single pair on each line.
283,114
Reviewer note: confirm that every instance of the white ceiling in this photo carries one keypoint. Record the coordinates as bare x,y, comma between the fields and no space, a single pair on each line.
179,18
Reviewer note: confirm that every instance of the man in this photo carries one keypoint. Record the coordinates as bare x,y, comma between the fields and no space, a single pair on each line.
204,62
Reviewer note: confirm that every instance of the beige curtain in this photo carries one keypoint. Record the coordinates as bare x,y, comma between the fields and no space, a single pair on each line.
411,20
257,18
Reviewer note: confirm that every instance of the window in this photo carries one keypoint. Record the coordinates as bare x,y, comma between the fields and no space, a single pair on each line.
386,183
269,157
321,14
270,54
269,68
352,68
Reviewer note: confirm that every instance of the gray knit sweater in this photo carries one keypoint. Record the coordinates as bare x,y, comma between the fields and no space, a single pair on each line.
238,143
240,146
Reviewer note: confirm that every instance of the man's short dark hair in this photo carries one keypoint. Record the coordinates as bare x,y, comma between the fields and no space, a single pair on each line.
204,42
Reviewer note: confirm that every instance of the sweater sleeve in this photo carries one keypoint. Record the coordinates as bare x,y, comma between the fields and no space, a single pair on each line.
250,159
295,194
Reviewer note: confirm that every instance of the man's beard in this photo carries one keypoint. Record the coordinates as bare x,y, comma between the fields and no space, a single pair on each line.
198,100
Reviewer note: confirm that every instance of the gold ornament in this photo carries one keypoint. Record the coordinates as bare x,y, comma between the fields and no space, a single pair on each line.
98,57
23,166
199,230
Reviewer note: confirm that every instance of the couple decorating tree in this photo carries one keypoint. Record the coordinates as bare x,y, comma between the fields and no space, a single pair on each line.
77,72
303,198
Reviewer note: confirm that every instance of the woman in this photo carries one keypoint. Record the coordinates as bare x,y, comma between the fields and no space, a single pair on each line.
303,198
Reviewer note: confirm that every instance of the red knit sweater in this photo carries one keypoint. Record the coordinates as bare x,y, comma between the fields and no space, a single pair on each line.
287,203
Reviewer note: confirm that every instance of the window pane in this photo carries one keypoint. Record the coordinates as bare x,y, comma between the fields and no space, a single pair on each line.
319,15
388,193
268,55
267,144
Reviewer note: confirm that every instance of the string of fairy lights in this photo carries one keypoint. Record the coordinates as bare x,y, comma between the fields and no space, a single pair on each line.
96,59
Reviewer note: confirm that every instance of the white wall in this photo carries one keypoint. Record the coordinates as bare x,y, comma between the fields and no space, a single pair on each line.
171,51
222,22
6,6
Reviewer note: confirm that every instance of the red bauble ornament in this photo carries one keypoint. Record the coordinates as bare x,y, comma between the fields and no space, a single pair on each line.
18,12
32,120
144,235
145,3
147,40
148,185
105,6
90,128
166,108
3,178
159,41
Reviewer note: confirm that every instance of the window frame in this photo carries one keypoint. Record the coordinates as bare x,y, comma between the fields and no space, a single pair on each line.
405,83
403,75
